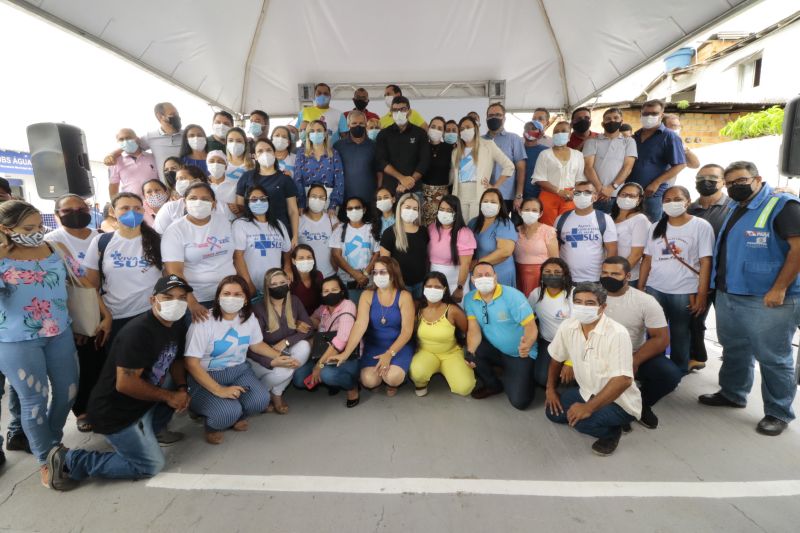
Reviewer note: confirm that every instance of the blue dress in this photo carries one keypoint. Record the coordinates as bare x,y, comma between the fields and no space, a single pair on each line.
380,337
487,243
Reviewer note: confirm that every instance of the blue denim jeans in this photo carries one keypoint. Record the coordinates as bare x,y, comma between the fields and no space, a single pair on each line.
14,423
750,332
33,368
604,423
136,452
679,318
343,377
653,208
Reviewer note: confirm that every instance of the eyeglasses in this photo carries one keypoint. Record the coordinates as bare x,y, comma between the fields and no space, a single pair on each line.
740,181
261,199
582,193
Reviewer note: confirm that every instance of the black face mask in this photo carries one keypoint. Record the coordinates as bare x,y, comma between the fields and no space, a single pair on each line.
494,124
707,187
553,281
175,122
279,292
612,284
332,298
582,126
361,105
358,131
611,127
169,178
76,220
740,193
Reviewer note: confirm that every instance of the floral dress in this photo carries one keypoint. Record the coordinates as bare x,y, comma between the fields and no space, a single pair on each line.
33,298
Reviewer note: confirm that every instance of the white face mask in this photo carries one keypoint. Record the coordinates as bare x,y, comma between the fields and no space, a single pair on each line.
674,209
467,134
435,135
433,294
221,130
280,143
649,122
236,148
316,204
231,304
627,203
381,280
199,209
267,159
197,143
181,186
484,285
489,209
409,215
355,215
304,265
388,101
384,205
400,118
172,310
445,218
217,170
529,217
582,201
586,314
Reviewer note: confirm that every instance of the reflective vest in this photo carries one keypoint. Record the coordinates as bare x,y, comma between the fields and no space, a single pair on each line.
755,253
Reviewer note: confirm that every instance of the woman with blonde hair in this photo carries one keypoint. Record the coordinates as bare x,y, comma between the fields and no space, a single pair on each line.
471,166
319,162
407,242
285,326
238,153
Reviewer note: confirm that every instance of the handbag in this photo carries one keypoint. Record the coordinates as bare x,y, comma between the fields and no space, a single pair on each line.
82,304
321,340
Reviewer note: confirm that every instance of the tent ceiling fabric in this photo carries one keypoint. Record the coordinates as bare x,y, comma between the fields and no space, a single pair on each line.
204,45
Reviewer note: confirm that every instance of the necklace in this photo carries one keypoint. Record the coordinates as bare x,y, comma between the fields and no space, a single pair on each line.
383,311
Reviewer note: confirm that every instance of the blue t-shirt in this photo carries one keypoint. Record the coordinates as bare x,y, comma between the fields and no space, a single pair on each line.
531,190
487,243
660,152
507,314
360,168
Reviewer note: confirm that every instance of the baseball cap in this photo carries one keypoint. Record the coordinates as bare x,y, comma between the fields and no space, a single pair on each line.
172,281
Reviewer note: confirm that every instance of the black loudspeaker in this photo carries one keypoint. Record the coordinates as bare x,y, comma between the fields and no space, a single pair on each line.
790,147
60,160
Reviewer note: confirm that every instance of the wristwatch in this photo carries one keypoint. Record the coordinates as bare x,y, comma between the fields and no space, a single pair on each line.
518,197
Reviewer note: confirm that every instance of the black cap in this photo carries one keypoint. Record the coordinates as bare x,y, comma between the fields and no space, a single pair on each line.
171,282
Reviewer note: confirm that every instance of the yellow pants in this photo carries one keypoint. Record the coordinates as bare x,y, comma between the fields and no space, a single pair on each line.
452,366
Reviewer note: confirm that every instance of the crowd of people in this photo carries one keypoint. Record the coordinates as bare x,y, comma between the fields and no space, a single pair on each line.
354,252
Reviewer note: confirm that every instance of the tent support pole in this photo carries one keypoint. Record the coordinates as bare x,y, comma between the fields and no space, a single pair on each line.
562,69
251,52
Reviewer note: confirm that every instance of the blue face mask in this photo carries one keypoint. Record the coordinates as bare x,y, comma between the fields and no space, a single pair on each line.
560,139
259,208
303,135
451,137
132,219
322,99
317,137
256,129
373,134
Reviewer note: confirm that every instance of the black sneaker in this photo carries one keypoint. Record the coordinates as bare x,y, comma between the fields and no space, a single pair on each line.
626,428
17,442
57,478
718,400
769,425
167,438
605,447
648,418
2,458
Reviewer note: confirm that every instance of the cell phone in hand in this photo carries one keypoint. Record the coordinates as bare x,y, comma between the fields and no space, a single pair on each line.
469,357
310,385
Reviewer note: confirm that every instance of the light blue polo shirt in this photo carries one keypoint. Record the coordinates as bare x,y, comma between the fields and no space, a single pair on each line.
507,315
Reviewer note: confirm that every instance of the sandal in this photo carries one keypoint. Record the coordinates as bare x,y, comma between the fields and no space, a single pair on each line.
281,409
215,437
391,391
241,425
83,424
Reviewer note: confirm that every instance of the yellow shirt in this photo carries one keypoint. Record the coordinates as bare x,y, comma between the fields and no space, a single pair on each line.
415,118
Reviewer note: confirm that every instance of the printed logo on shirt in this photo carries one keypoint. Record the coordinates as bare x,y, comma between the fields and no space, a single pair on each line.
222,354
584,233
214,245
673,247
756,239
264,243
162,364
311,236
122,261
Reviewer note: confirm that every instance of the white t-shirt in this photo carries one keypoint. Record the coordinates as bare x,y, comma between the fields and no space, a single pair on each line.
318,235
76,246
357,249
225,193
561,175
129,278
632,232
550,310
175,209
262,245
583,247
637,311
221,344
205,251
610,155
692,241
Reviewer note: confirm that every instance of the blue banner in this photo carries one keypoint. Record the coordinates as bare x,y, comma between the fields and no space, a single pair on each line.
15,162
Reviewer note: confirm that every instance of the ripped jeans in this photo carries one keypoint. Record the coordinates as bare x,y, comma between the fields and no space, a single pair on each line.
34,367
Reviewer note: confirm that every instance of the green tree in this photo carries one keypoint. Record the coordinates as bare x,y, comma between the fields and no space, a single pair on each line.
758,124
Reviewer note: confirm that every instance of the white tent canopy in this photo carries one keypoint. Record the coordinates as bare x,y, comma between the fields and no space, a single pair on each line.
247,54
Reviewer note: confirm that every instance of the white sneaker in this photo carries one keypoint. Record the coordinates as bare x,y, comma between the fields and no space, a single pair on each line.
421,392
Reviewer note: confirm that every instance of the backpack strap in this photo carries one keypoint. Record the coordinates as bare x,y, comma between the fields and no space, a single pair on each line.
102,244
601,224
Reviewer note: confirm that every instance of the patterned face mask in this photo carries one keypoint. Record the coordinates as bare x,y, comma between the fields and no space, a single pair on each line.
30,240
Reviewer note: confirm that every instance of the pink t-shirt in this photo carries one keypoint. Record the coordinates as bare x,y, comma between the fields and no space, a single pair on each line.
533,251
131,173
439,244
